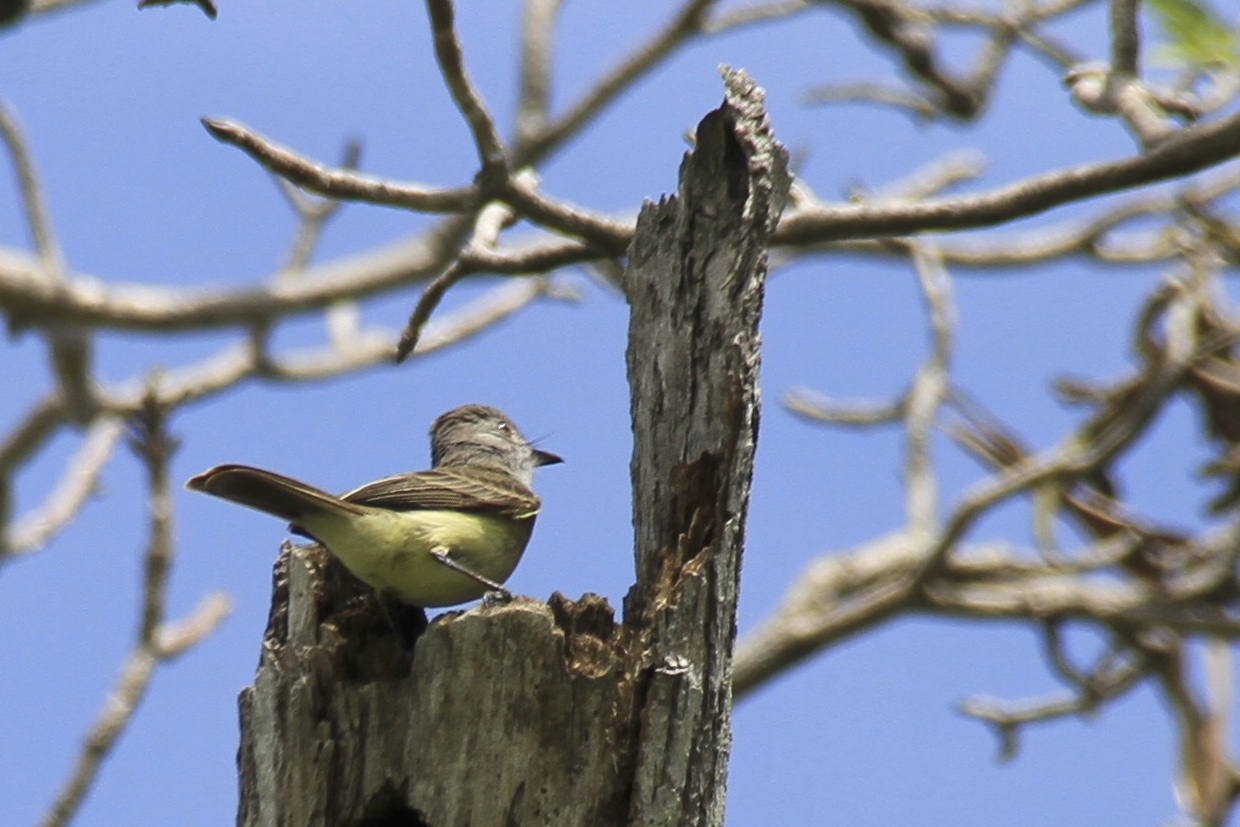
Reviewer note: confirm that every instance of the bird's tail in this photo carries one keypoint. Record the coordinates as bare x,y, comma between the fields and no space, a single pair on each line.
269,492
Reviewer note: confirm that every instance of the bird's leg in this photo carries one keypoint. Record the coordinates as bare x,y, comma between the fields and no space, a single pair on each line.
442,556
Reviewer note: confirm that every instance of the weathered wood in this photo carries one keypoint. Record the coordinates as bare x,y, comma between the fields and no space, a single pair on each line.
695,284
537,713
503,715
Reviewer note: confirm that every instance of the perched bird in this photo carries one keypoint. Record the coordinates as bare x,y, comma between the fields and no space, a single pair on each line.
427,538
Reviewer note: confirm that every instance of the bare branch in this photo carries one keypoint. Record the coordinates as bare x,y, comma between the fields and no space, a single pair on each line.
818,408
226,369
149,308
427,302
891,24
837,595
1062,56
1191,150
1209,781
537,45
910,103
1124,605
342,318
531,259
640,61
1125,38
347,185
491,221
481,314
69,346
39,424
153,445
986,563
927,392
757,13
611,237
841,594
934,177
1008,719
37,219
175,638
342,184
79,481
1098,89
1108,432
490,146
135,307
313,214
117,711
1091,236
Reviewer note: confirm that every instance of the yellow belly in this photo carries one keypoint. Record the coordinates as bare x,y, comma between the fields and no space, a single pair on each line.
391,551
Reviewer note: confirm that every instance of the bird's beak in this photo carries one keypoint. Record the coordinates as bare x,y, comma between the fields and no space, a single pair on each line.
545,458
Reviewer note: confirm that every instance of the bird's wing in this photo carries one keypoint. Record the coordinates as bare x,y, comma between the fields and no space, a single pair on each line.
458,488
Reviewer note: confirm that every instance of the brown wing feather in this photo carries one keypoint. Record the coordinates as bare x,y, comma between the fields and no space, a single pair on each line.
458,488
268,492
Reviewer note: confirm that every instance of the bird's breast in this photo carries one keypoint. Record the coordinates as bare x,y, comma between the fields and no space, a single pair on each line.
392,551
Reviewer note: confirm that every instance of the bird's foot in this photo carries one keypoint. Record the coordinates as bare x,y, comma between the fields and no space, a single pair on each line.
497,597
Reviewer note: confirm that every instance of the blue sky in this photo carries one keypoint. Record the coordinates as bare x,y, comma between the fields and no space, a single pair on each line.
866,734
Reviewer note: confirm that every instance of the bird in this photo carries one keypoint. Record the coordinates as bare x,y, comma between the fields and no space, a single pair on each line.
430,539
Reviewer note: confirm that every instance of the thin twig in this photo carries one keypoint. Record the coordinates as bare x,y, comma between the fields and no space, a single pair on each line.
928,390
642,60
39,424
117,711
343,184
1009,719
76,485
492,219
934,177
37,218
448,53
347,185
818,408
431,296
537,47
69,346
757,13
154,446
33,431
342,318
1125,38
312,213
903,100
609,236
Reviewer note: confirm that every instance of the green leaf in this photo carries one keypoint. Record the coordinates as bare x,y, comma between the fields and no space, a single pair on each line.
1195,34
